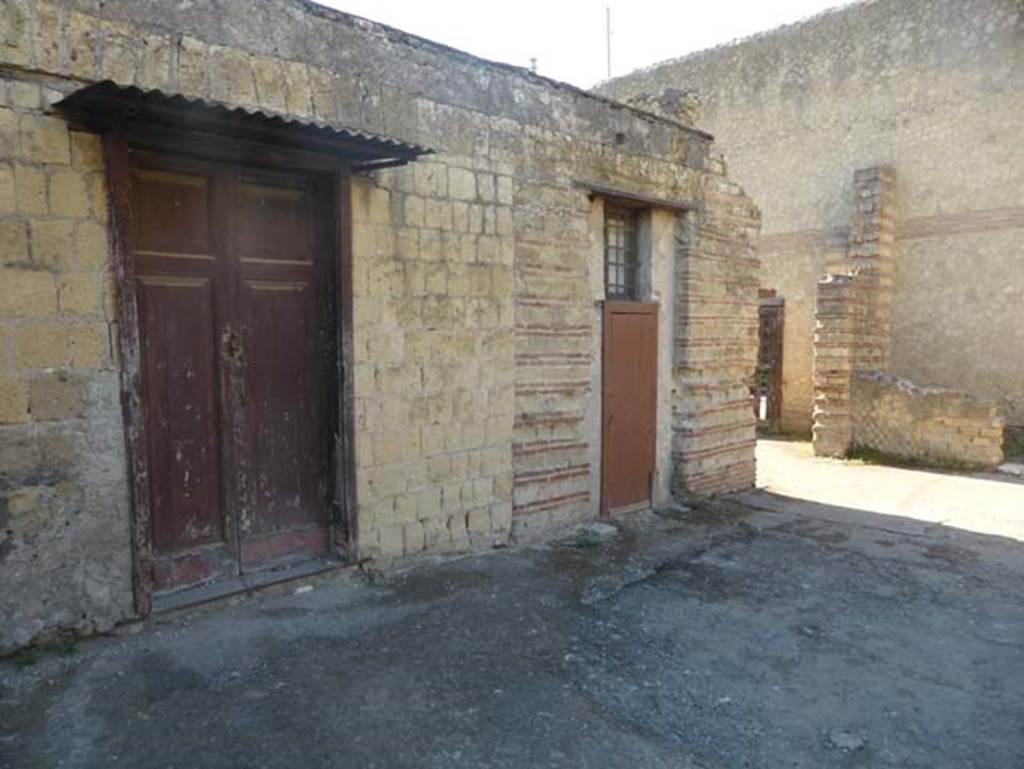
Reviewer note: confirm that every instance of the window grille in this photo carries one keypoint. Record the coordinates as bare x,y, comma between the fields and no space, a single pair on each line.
621,259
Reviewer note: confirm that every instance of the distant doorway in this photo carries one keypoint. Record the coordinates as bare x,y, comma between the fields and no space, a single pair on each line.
767,388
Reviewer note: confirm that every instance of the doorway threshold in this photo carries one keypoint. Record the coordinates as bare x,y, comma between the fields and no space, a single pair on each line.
243,583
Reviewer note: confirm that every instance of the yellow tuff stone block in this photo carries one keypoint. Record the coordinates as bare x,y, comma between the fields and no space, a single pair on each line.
69,194
13,399
86,151
10,138
78,294
40,345
45,139
13,242
24,95
27,293
155,62
81,44
118,60
87,344
47,37
8,199
30,190
15,35
51,242
231,76
91,246
299,91
192,59
271,87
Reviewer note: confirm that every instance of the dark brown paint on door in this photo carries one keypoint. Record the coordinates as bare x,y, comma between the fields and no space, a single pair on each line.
768,379
233,276
630,338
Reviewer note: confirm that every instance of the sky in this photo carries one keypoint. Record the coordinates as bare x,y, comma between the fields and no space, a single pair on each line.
567,37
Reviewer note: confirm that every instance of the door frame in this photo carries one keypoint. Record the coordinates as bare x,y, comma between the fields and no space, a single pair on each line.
117,141
608,308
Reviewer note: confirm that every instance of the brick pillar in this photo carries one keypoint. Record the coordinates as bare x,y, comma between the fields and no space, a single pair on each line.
839,314
853,317
715,343
870,256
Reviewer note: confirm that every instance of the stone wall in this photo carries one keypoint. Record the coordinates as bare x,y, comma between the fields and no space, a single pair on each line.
853,328
857,403
928,424
474,319
934,88
839,314
63,494
716,343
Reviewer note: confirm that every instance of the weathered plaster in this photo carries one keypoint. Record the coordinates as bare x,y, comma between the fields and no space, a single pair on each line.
663,276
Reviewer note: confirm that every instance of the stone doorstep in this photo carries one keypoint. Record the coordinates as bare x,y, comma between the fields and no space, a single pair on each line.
197,595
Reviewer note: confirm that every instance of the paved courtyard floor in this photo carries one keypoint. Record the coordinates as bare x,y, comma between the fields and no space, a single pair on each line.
766,631
986,503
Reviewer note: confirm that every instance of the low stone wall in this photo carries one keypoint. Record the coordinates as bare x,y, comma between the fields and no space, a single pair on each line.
857,402
933,424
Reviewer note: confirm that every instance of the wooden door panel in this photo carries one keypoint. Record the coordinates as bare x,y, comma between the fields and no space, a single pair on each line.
179,354
274,222
281,312
284,402
768,378
172,212
628,403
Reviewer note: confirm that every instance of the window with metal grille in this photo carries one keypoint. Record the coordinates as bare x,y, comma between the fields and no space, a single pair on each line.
621,258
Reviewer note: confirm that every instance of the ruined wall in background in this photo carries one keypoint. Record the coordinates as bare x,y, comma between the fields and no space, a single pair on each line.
934,88
925,424
857,403
474,322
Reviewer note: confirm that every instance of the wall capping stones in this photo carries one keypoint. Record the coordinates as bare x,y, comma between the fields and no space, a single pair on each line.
931,424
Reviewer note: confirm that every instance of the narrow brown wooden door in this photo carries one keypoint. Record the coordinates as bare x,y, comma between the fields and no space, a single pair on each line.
628,403
768,379
233,279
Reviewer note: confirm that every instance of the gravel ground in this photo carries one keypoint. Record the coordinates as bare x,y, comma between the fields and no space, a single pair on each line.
732,636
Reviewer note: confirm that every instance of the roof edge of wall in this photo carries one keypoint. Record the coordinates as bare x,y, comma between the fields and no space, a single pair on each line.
407,38
842,7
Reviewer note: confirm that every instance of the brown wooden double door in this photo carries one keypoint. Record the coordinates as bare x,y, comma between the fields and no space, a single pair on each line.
233,276
629,403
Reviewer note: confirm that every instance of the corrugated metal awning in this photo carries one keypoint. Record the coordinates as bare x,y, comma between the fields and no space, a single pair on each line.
106,104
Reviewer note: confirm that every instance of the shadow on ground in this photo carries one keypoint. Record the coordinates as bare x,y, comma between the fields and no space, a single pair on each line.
794,635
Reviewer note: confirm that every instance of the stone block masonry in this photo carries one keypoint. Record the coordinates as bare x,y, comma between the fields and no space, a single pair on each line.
474,324
63,493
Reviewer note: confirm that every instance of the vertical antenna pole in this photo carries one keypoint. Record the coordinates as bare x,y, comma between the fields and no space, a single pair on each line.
608,37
